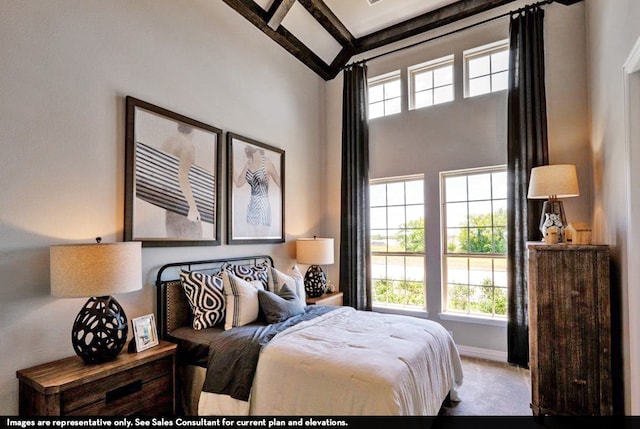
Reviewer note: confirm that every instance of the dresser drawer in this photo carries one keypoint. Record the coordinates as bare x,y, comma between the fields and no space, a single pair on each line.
112,394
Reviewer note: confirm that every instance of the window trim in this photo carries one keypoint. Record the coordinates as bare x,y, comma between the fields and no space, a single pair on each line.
395,179
477,319
445,314
392,309
481,51
429,66
420,313
382,80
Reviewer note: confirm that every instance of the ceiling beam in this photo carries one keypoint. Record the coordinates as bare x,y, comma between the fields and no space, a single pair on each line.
278,10
425,22
259,17
339,61
269,22
325,17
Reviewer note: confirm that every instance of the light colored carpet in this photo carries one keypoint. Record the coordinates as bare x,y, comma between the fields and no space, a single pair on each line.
492,389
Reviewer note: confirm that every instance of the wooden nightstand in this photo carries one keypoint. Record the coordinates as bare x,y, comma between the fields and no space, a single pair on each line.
134,383
334,298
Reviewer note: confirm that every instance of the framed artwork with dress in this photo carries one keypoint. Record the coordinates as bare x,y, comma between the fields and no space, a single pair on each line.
172,186
255,195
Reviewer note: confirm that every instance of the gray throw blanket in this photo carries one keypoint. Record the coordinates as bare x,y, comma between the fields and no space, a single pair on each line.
233,355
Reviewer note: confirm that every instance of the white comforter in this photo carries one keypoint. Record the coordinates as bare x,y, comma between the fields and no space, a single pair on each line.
350,362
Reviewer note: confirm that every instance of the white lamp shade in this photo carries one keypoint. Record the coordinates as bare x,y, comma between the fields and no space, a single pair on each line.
314,251
559,181
86,270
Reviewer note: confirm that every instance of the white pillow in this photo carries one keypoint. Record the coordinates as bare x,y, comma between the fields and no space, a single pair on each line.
242,305
293,278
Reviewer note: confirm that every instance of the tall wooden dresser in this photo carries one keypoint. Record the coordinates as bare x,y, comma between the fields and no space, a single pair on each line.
569,329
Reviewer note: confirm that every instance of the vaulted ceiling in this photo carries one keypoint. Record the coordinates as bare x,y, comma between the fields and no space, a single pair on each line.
326,34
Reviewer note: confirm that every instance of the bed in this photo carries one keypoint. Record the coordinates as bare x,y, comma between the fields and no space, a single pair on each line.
321,360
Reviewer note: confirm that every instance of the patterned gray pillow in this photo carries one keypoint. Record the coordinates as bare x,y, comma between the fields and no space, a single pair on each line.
205,294
278,307
250,272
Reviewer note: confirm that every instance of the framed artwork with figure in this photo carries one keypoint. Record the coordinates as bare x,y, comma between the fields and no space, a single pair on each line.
172,184
255,195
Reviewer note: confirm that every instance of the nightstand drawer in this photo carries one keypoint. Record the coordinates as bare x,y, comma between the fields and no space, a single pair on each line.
120,394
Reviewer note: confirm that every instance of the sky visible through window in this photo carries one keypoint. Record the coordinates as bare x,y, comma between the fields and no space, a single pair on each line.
384,98
432,85
488,73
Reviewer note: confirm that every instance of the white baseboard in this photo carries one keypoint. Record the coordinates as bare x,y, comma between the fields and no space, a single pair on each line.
482,353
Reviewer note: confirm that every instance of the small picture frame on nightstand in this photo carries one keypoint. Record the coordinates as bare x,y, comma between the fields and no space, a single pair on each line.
145,334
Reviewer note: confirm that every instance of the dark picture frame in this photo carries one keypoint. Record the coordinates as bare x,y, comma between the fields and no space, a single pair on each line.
172,178
255,202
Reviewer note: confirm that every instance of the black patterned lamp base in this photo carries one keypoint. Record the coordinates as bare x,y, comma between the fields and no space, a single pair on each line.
100,330
315,282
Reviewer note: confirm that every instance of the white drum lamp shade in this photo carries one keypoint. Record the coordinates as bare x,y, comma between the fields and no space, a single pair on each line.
97,271
315,251
552,182
85,270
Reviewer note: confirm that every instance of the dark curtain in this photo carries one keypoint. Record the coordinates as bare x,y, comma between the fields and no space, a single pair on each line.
355,247
527,148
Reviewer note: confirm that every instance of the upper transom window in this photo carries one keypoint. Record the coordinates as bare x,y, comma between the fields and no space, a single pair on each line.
385,95
486,68
431,83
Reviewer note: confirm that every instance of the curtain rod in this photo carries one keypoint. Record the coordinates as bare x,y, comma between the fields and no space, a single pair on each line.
513,12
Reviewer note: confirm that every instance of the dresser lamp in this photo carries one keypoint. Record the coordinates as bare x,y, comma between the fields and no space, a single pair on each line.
97,271
552,182
315,251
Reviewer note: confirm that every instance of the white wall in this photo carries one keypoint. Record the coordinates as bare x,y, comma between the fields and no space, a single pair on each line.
471,132
66,68
612,32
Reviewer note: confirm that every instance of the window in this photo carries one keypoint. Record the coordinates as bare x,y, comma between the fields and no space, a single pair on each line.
487,68
474,218
384,95
431,82
397,243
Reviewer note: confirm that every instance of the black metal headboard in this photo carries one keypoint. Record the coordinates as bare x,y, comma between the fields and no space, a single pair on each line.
172,306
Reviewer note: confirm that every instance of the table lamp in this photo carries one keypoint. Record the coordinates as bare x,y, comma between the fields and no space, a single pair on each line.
315,251
96,271
553,182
